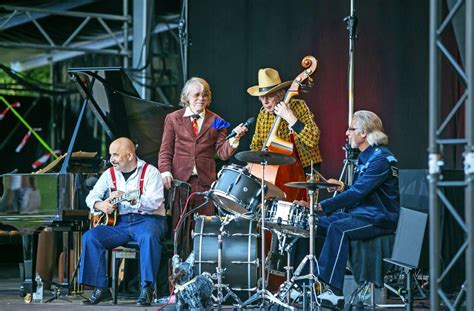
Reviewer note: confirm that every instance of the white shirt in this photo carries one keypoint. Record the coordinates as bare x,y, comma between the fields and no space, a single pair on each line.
151,200
188,113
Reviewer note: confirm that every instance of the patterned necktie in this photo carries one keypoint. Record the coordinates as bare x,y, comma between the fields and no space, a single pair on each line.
195,124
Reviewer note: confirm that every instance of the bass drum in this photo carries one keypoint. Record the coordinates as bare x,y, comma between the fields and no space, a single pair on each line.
239,252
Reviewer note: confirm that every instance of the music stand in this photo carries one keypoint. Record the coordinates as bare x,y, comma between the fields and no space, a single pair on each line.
264,158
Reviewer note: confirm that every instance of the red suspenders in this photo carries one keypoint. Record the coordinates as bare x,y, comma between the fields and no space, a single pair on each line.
141,181
142,177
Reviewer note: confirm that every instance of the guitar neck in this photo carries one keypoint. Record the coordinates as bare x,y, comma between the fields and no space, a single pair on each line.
117,199
122,197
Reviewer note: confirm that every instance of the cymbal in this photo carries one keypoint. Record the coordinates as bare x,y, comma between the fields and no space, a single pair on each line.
311,185
271,158
274,192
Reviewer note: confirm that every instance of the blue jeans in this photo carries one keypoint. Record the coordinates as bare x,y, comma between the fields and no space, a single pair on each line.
147,230
341,228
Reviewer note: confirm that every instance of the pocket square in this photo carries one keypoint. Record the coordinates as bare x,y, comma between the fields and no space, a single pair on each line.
219,124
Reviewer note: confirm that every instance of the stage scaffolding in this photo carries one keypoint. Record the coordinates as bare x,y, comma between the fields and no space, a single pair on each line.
438,143
32,14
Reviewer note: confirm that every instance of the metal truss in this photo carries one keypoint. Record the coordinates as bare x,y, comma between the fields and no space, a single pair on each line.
69,42
437,144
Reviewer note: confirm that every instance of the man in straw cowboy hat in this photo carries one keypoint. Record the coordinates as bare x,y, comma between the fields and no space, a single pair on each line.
297,119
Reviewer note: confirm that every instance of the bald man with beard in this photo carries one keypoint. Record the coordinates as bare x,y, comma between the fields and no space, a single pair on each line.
142,221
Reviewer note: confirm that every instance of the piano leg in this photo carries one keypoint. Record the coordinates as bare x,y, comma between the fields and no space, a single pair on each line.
28,285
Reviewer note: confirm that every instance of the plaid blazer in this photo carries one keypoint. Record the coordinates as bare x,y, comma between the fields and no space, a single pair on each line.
306,141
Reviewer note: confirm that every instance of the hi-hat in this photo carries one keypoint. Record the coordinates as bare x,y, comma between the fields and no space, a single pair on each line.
311,185
270,158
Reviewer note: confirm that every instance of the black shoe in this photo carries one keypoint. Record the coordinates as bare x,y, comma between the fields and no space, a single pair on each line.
146,296
97,296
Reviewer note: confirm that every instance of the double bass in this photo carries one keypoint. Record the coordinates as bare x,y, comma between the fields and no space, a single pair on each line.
281,174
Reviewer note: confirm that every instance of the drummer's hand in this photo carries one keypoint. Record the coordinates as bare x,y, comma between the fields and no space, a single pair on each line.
302,203
167,181
240,130
335,181
319,208
285,112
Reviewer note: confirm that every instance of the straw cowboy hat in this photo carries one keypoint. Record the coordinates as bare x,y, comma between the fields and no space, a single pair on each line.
268,81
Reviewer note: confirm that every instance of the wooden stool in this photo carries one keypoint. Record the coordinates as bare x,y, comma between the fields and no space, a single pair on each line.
131,250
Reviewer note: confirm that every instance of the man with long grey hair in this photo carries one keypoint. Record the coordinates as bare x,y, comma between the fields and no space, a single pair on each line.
364,210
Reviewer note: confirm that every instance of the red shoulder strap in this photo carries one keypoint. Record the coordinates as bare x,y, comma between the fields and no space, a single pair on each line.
142,177
114,179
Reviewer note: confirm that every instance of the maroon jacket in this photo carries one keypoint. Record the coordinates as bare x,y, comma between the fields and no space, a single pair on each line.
180,149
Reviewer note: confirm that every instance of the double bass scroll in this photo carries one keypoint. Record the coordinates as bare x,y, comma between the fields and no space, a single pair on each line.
273,143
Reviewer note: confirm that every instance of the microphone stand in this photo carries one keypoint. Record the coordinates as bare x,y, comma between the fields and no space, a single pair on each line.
350,159
351,25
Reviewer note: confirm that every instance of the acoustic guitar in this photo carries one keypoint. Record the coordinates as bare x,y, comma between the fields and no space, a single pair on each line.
100,218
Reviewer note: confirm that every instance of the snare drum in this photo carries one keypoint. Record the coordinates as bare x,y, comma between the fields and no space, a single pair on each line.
287,217
236,190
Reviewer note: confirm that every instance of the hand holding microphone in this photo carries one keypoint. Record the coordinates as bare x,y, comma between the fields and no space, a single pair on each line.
240,130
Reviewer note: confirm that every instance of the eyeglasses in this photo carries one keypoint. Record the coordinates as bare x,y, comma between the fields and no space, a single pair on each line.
204,95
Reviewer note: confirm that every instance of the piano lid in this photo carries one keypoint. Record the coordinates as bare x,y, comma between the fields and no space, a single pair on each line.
119,109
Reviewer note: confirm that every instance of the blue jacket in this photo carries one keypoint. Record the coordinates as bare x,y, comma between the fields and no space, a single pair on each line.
374,194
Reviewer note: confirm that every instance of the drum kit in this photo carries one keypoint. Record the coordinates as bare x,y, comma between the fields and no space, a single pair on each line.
229,245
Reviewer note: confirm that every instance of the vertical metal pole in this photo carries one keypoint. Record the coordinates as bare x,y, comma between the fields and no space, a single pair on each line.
52,124
187,42
434,156
311,228
352,27
140,50
262,230
469,154
184,39
125,34
351,68
409,301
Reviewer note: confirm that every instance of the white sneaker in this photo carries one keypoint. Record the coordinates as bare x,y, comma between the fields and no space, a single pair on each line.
331,300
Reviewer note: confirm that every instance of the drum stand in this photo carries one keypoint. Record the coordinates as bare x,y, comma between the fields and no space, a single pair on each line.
219,271
310,258
263,293
285,288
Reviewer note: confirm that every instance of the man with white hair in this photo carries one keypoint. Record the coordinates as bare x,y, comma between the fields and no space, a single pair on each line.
364,210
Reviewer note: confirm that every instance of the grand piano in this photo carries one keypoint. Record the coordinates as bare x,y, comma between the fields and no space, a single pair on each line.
33,201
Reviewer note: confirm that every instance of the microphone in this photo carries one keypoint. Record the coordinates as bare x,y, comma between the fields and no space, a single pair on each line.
247,123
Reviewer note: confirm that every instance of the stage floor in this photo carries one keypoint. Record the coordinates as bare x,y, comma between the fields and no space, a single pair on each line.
10,299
